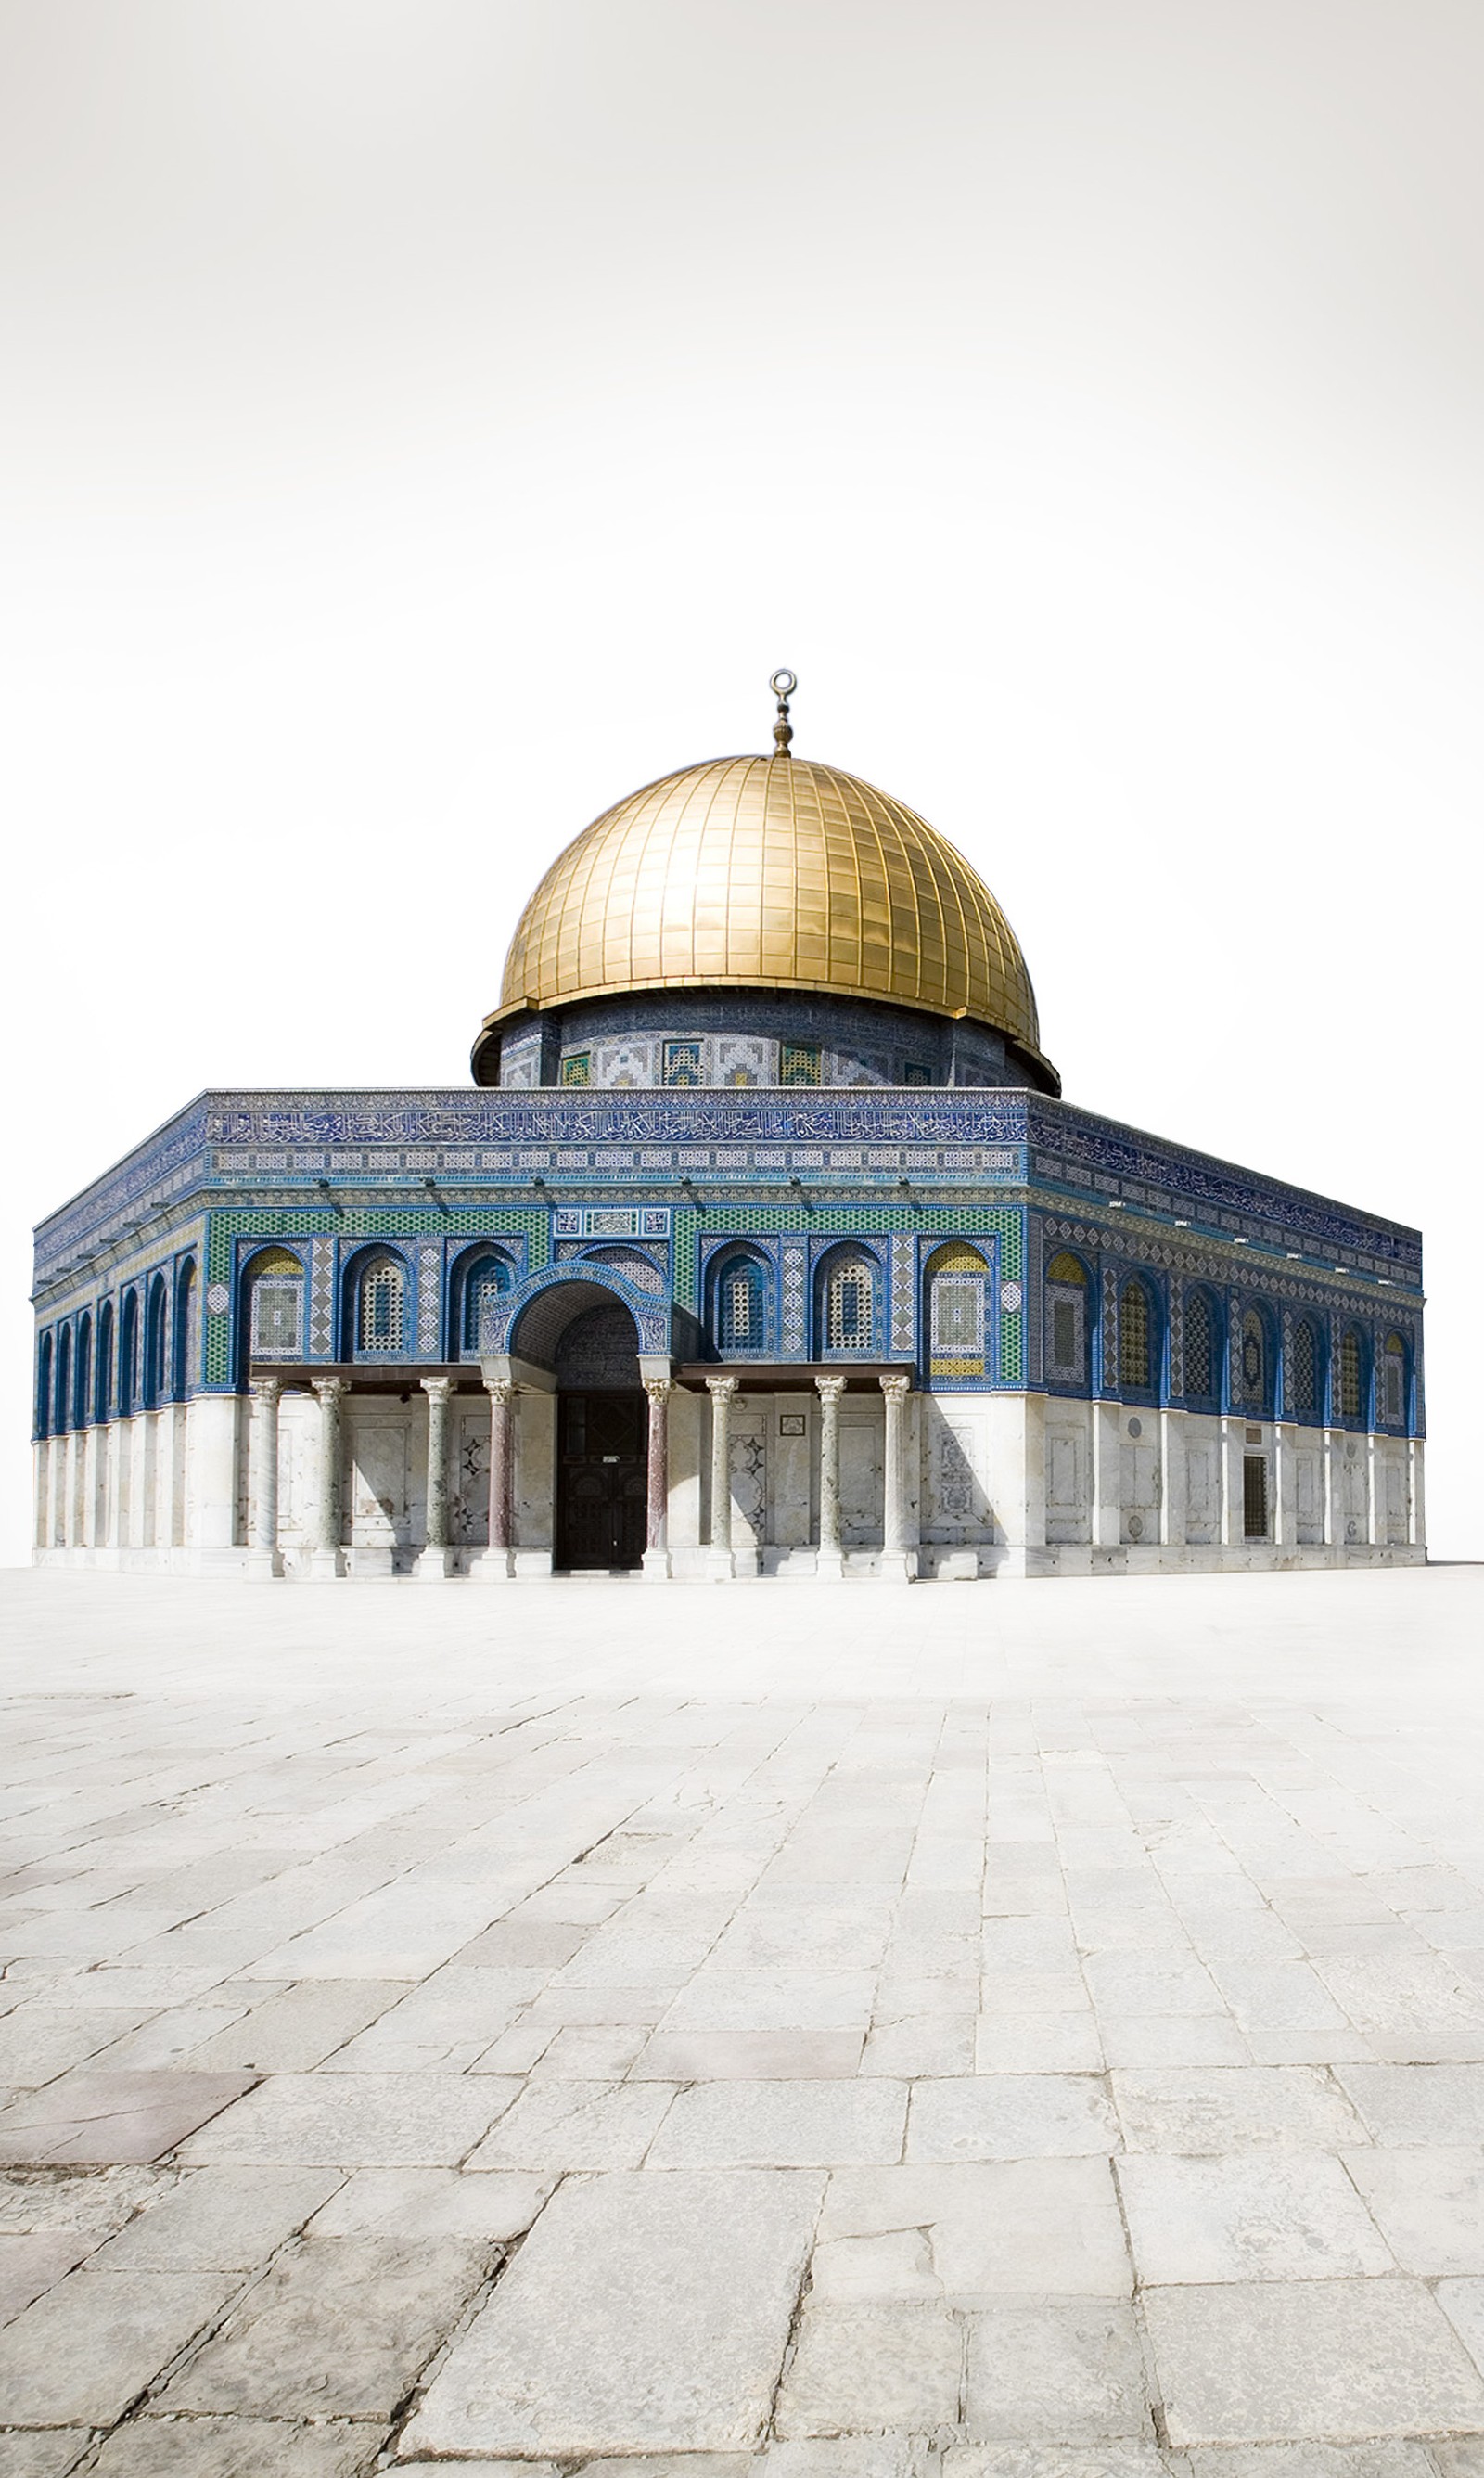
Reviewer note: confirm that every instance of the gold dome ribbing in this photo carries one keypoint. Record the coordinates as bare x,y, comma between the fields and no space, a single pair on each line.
769,874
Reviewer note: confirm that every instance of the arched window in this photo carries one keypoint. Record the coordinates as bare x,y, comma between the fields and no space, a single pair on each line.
1349,1389
739,1315
849,1302
44,1387
275,1324
128,1354
380,1304
104,1396
1256,1365
1067,1320
62,1413
1307,1364
156,1343
1136,1356
82,1384
956,1310
184,1330
484,1282
1393,1381
1203,1354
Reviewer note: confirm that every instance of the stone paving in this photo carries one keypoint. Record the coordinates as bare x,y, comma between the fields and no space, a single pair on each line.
974,2031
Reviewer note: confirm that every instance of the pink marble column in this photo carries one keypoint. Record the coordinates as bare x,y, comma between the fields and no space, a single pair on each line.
494,1566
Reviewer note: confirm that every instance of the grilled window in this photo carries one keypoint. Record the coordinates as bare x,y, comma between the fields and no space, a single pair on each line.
276,1325
1254,1358
1394,1379
380,1322
1349,1375
1134,1336
1306,1370
1066,1320
1199,1346
798,1062
1254,1497
849,1307
739,1305
483,1285
577,1067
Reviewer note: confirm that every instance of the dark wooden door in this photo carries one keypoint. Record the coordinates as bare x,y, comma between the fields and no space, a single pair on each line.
602,1443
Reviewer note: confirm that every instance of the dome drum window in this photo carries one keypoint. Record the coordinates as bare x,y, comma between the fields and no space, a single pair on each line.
799,1062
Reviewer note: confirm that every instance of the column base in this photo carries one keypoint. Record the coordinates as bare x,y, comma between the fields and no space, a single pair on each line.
263,1565
656,1566
897,1566
491,1566
326,1566
431,1567
721,1565
829,1566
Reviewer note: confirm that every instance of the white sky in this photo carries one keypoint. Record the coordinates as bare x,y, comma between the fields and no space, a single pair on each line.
423,423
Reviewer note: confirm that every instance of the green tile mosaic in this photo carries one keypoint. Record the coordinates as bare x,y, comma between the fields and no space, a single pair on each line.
229,1224
1004,1223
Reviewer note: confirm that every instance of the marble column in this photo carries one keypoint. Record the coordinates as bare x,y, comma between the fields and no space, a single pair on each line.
719,1562
494,1565
263,1559
829,1562
327,1561
431,1565
897,1567
657,1560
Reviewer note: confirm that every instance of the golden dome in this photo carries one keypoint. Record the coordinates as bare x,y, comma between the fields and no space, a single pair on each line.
768,872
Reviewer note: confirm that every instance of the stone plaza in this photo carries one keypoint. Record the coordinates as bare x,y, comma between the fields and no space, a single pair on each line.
1015,2032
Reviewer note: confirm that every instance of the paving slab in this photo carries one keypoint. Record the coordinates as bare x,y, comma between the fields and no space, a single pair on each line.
1331,2360
1067,2371
295,2029
338,2327
86,2350
972,2231
1257,2215
684,2285
1010,2116
1288,2107
108,2117
864,2366
32,2264
235,2447
220,2220
356,2120
43,2455
767,2124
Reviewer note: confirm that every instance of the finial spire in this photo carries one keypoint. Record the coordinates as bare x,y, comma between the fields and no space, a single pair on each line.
783,685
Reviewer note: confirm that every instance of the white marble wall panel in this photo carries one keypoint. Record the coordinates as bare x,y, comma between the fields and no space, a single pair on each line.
862,1471
1069,1471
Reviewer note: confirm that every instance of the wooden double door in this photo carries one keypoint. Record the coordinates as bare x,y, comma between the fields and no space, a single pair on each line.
602,1478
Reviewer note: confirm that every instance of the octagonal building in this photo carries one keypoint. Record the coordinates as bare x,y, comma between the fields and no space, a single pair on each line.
760,1244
